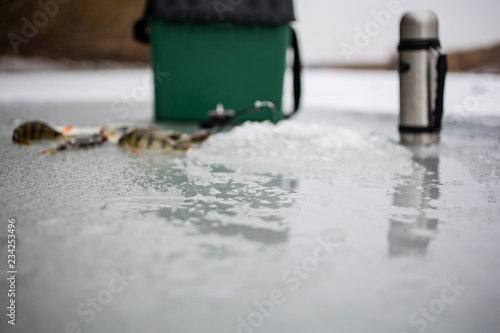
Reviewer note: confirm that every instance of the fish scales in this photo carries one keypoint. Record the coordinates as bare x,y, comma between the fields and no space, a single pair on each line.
34,130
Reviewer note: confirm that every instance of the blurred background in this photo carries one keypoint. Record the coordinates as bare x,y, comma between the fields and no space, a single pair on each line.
98,34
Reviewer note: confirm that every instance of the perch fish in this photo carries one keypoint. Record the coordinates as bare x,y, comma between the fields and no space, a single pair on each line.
146,139
34,130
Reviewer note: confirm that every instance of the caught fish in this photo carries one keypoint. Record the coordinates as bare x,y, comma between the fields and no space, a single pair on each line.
164,140
146,139
34,130
122,134
114,131
82,141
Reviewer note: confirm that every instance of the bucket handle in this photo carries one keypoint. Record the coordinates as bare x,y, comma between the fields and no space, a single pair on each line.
141,31
297,71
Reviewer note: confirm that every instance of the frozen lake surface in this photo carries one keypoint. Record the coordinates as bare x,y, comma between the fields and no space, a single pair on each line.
324,223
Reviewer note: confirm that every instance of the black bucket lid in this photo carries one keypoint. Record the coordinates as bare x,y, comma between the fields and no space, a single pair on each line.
235,11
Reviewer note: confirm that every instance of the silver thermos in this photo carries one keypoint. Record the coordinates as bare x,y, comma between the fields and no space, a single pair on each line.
422,70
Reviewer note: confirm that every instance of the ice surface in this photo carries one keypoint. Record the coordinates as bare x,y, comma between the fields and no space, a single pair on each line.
212,235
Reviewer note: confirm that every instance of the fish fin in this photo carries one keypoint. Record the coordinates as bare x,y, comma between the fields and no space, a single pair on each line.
186,147
50,151
24,142
67,129
134,150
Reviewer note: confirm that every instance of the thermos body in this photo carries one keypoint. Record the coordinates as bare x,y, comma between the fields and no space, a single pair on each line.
418,87
422,67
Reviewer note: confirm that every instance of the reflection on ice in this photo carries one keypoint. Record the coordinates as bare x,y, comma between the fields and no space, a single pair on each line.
411,232
215,200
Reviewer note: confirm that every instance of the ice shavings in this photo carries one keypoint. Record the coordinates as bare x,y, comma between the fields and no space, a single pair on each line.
315,149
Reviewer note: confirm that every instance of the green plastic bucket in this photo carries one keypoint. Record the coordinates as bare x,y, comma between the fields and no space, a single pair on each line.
207,55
